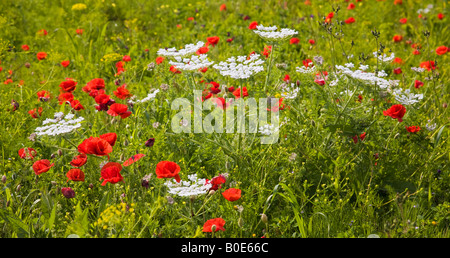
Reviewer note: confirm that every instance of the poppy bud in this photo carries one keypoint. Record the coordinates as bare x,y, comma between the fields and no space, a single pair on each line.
18,188
91,186
60,152
27,65
444,105
264,218
4,179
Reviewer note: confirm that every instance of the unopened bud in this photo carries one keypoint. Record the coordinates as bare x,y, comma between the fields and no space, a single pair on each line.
60,153
264,218
444,105
27,65
4,179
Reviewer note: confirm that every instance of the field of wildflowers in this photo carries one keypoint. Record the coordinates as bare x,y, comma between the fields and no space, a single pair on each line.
224,119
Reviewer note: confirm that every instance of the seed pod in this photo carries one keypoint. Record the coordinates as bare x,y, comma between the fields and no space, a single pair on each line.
264,218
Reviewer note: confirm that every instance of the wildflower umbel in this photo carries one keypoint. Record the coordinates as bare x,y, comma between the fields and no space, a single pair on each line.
270,33
188,49
240,67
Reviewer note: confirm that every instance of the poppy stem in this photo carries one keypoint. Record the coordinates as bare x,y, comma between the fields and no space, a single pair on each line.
390,135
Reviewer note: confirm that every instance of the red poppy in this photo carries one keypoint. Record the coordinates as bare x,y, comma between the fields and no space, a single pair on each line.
398,70
79,160
126,58
294,41
76,105
42,166
173,69
25,47
396,2
190,18
350,20
118,109
35,114
111,173
312,41
27,153
133,159
65,63
428,65
221,103
418,84
397,60
279,106
159,59
253,25
396,112
203,70
267,50
75,174
237,92
110,138
119,67
442,50
212,41
416,52
229,40
65,97
42,32
43,95
223,7
287,78
94,84
232,194
215,88
68,192
122,92
95,146
41,55
308,63
217,222
79,31
412,129
102,98
397,38
440,16
321,82
68,85
8,81
202,50
168,169
362,136
403,20
216,182
351,6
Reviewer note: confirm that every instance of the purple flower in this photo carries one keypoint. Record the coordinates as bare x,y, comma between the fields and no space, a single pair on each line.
150,142
68,192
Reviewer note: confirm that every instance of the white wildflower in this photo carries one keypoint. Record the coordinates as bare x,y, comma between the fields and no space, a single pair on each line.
290,92
192,63
240,67
418,69
149,97
193,187
59,125
406,97
188,49
367,77
429,126
268,129
384,57
270,33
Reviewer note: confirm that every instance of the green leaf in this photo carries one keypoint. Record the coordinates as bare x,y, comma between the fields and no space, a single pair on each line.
19,227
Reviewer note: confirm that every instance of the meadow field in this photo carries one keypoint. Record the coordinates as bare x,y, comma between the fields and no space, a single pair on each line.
224,119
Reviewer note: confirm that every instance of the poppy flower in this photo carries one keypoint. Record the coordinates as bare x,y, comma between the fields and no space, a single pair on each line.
8,81
173,69
150,142
118,109
294,41
350,20
215,88
168,169
216,182
43,95
416,52
76,105
397,38
418,84
159,59
119,67
203,70
403,20
427,65
267,50
398,70
68,192
221,103
396,112
75,174
202,50
65,97
223,7
307,63
25,47
42,166
41,55
212,41
232,194
396,2
68,85
229,40
102,99
237,92
42,32
397,60
110,138
126,58
79,160
111,173
79,31
312,41
27,153
122,92
253,25
95,146
65,63
217,222
277,107
35,114
351,6
287,78
94,84
133,159
412,129
442,50
440,16
321,82
190,18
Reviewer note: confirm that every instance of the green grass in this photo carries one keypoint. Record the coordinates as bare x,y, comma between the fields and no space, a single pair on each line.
392,184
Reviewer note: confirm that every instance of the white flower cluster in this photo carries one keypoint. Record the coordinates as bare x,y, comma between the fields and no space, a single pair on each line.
426,10
290,92
192,187
192,63
310,69
270,33
418,69
59,125
406,97
367,77
384,57
429,126
268,129
188,49
150,96
240,67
